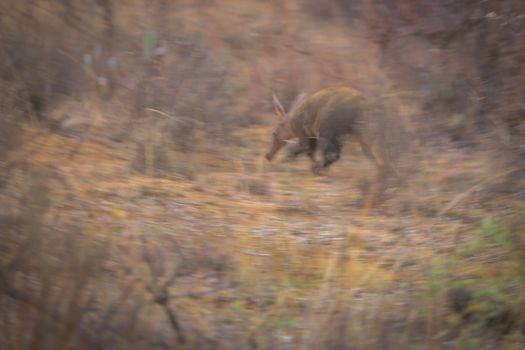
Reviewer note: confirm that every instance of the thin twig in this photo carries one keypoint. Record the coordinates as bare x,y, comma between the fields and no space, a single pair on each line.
474,188
178,118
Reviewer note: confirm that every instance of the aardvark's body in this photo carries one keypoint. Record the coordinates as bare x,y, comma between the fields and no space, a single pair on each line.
320,121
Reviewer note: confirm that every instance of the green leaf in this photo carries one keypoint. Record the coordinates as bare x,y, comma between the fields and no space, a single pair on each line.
462,283
150,40
284,323
238,306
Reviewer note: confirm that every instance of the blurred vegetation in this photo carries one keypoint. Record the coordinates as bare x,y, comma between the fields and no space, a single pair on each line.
137,211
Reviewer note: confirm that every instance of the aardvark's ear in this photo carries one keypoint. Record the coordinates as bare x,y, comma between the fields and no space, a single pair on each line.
297,102
279,109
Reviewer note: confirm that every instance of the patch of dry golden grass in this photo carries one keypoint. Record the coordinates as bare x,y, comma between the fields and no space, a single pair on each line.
263,253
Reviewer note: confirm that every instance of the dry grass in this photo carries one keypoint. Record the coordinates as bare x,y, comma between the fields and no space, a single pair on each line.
146,217
292,266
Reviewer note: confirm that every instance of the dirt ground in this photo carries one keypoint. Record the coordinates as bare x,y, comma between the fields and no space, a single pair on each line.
276,229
